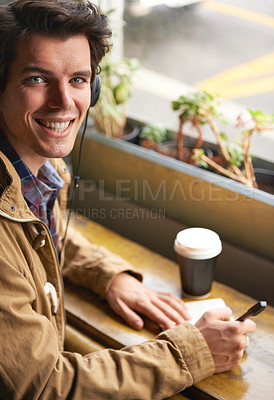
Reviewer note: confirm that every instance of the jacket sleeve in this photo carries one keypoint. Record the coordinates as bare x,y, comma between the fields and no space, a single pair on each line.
32,367
91,265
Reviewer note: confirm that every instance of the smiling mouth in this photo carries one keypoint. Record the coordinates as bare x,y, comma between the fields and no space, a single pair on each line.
55,126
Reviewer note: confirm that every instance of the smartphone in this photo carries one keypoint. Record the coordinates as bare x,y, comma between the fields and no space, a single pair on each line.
254,310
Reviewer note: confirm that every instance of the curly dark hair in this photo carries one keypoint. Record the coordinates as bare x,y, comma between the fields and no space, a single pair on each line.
62,18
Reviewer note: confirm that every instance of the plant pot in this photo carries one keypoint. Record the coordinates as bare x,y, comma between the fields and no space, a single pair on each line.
132,131
265,179
192,196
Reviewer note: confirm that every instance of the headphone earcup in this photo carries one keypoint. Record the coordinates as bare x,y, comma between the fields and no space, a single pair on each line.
95,91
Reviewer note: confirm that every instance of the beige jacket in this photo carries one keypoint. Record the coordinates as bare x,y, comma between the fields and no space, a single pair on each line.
33,363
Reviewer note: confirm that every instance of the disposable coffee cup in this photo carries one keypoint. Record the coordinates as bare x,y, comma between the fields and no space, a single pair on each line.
197,251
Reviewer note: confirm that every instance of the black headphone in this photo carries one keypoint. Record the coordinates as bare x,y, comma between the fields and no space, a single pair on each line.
95,91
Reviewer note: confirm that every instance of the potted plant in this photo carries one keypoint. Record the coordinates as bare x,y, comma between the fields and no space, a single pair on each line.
234,159
229,158
256,122
110,112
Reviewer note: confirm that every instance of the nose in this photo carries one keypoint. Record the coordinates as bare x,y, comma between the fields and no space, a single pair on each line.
60,97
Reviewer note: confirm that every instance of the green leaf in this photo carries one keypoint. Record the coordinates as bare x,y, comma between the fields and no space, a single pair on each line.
235,152
196,103
224,136
261,117
204,164
170,135
121,93
154,132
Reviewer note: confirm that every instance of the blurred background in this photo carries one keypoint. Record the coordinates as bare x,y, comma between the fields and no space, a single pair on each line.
222,46
225,47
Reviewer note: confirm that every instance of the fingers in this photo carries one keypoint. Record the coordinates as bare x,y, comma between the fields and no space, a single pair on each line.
133,319
174,303
161,313
127,295
147,307
164,309
248,326
226,339
223,314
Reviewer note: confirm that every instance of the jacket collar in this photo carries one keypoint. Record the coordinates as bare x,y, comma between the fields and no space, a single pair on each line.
12,202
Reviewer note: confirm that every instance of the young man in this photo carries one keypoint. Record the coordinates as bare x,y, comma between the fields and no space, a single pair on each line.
49,53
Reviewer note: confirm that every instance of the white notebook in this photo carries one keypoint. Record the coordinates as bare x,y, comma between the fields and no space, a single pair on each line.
197,308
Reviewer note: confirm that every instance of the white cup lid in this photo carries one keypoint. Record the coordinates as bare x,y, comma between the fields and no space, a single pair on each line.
198,243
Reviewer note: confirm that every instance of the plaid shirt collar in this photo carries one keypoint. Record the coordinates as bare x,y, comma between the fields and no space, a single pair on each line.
40,193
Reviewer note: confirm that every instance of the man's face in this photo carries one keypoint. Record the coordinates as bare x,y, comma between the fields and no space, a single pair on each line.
46,97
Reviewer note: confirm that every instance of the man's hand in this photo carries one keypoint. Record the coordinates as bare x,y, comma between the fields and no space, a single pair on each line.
226,339
127,295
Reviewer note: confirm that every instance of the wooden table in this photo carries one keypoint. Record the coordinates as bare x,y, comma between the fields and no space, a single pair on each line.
99,327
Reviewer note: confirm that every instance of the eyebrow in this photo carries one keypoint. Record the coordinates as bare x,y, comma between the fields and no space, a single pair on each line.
87,73
40,70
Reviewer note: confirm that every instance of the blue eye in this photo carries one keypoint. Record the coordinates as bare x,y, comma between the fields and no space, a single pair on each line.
35,79
78,80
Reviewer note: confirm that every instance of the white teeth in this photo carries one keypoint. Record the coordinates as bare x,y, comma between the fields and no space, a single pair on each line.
56,126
